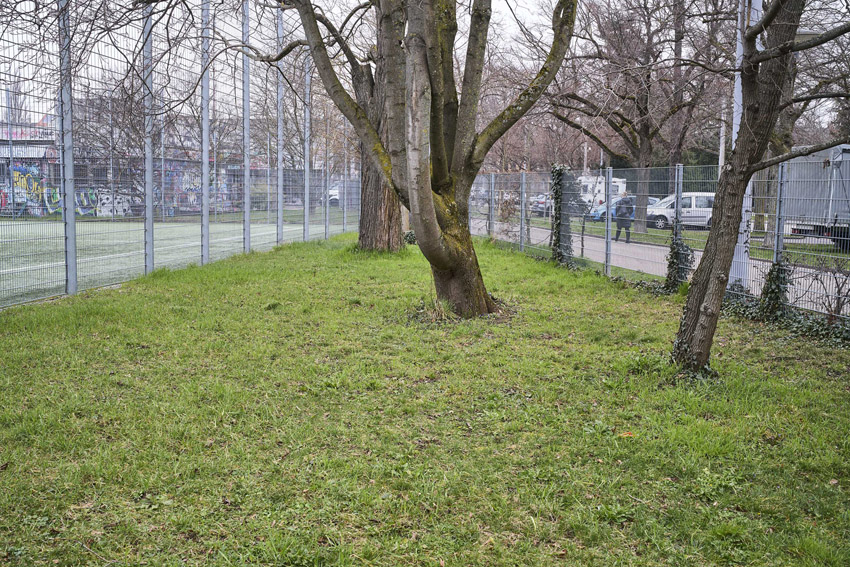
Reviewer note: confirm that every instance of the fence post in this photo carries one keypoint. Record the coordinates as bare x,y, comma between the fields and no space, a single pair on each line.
609,173
522,211
308,71
269,177
162,157
677,228
491,210
280,131
148,79
343,198
327,197
67,121
205,132
779,235
246,130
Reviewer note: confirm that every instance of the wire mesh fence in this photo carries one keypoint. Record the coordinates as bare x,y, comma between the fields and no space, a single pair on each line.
623,221
107,118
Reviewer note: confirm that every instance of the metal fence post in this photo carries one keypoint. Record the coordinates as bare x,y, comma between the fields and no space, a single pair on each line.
491,210
148,79
162,159
609,174
280,132
246,130
269,177
67,121
307,75
679,183
522,211
205,133
779,235
344,197
327,194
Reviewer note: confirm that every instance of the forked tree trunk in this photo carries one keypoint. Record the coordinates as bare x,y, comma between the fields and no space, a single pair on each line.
380,213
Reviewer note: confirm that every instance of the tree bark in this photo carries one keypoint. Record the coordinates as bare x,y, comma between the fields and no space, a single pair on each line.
462,286
380,213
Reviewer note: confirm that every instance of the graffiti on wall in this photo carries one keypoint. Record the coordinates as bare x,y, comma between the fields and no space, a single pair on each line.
31,195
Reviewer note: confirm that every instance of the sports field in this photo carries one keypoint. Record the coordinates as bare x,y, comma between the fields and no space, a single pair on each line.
32,259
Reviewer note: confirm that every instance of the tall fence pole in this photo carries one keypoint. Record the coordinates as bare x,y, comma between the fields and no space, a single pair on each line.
679,183
779,235
148,80
269,177
205,133
280,131
246,130
327,181
67,122
307,74
162,159
491,208
344,197
522,211
609,174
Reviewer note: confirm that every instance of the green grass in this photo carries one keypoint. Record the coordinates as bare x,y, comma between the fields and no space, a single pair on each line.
301,407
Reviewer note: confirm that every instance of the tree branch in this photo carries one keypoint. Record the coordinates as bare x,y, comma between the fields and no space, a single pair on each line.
793,47
563,20
808,150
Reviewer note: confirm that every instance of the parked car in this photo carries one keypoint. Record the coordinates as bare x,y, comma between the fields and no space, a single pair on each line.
542,205
598,212
696,210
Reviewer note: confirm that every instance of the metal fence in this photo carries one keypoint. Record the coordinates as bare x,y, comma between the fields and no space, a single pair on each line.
132,139
798,211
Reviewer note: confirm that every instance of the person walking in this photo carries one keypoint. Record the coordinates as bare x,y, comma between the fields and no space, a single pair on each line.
623,214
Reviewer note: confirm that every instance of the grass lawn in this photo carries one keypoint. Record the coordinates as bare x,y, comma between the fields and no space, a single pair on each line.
299,408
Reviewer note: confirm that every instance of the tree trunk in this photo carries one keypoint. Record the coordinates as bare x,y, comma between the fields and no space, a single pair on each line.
380,213
462,286
708,285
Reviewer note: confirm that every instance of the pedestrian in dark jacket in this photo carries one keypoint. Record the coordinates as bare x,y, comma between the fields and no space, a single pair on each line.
623,215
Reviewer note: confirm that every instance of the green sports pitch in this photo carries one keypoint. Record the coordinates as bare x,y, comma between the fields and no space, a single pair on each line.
32,257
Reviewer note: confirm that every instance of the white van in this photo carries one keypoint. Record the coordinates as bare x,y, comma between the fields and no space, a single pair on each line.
696,210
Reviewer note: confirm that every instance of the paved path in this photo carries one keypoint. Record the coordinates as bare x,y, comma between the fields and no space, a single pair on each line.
810,289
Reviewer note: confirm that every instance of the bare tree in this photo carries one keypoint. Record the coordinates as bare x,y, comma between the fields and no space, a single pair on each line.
643,70
765,72
428,147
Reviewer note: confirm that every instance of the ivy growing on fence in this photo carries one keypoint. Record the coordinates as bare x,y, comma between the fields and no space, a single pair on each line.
566,202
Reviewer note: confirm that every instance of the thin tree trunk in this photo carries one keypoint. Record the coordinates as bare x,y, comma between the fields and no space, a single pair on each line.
708,285
762,87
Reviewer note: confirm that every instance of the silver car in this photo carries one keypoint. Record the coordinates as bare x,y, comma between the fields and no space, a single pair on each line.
696,210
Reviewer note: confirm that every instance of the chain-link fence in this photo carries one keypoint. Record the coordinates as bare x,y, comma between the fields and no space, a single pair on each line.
133,139
623,221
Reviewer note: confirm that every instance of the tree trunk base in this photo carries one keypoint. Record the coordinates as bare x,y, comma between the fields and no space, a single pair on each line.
463,289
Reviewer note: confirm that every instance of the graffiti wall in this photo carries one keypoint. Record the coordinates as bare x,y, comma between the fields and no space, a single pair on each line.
32,195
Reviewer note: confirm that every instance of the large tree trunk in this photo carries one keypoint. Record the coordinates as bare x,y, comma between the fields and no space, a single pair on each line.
462,285
380,213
